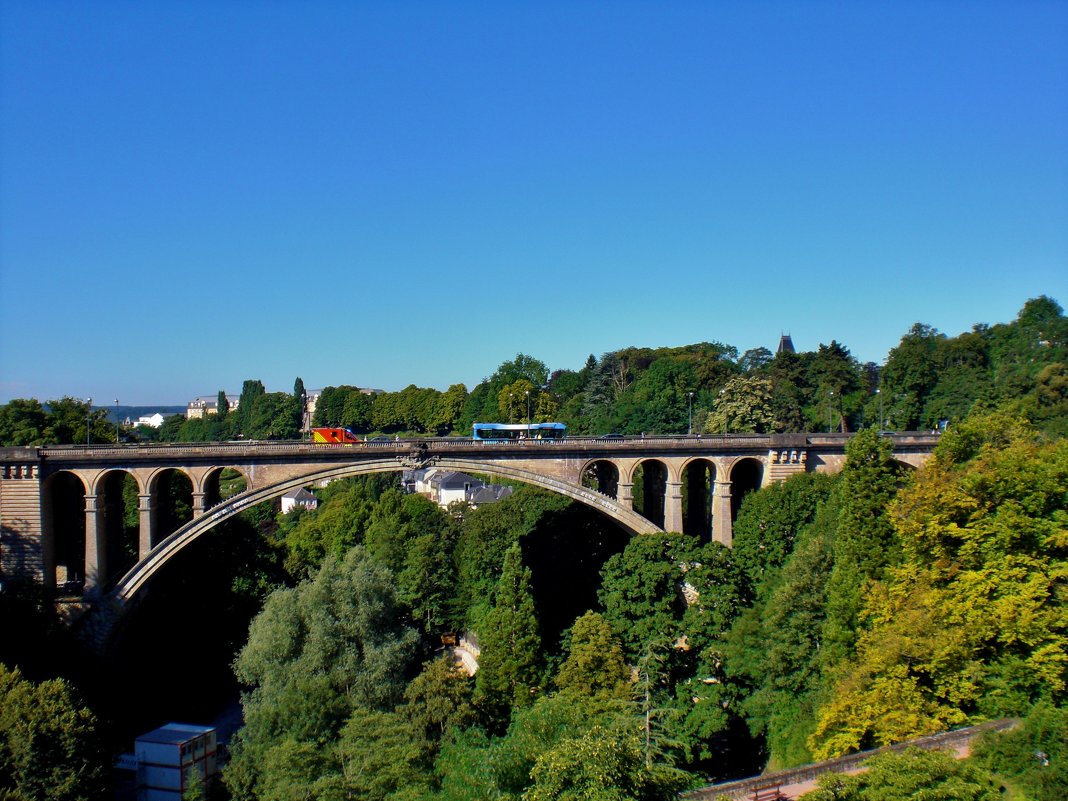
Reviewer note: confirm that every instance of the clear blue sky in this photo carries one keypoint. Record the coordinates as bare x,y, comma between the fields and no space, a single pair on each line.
379,194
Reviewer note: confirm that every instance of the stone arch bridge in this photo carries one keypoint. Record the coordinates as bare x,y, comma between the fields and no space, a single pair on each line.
645,484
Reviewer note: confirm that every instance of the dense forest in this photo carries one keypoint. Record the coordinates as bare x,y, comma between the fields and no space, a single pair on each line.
853,610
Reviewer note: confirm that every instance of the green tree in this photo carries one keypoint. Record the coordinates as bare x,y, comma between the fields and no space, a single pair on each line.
486,535
314,654
380,755
865,543
22,422
512,401
510,663
49,743
450,407
426,583
251,389
640,590
1033,756
770,520
594,663
602,764
438,699
273,415
773,653
744,406
911,774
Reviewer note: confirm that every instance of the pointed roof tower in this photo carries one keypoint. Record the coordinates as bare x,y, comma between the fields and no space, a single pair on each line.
786,345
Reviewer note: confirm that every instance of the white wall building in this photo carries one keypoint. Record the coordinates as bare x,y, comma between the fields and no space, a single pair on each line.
299,497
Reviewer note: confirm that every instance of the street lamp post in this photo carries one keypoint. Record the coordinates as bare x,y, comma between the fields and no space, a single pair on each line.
830,412
88,420
528,413
879,392
511,414
689,425
116,421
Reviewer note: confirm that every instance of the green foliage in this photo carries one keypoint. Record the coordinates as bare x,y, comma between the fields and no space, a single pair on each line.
974,621
510,664
439,699
770,520
909,775
640,590
601,764
594,663
772,655
743,407
487,533
23,422
380,754
314,654
1033,756
331,530
865,543
49,744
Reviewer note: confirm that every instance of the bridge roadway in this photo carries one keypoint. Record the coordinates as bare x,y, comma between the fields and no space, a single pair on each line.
28,535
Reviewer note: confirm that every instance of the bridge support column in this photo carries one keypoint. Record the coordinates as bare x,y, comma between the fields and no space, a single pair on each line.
146,512
96,546
198,504
673,506
722,527
626,496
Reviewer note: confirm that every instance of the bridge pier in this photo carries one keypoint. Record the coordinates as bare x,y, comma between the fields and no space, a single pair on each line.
673,506
626,496
722,527
146,519
199,506
96,546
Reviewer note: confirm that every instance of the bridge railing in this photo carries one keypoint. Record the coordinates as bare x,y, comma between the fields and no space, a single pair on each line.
438,444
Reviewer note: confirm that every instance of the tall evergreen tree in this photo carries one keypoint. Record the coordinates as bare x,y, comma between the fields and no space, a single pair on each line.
510,665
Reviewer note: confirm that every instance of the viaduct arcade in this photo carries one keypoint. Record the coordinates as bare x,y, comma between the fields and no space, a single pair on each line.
83,520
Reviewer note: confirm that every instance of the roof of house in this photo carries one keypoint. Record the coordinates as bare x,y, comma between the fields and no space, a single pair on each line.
455,480
489,493
175,733
299,494
786,345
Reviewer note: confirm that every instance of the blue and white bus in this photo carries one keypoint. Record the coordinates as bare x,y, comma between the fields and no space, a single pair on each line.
509,432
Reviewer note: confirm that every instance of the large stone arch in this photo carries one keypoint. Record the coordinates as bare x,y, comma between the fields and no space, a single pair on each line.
746,474
133,583
698,477
64,496
602,475
209,489
165,518
652,499
115,506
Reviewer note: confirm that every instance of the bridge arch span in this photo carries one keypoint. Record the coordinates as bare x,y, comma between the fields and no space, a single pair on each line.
134,582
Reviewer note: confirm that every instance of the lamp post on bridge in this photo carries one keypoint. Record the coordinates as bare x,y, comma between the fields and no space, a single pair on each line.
88,420
689,425
879,392
528,413
830,411
116,421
